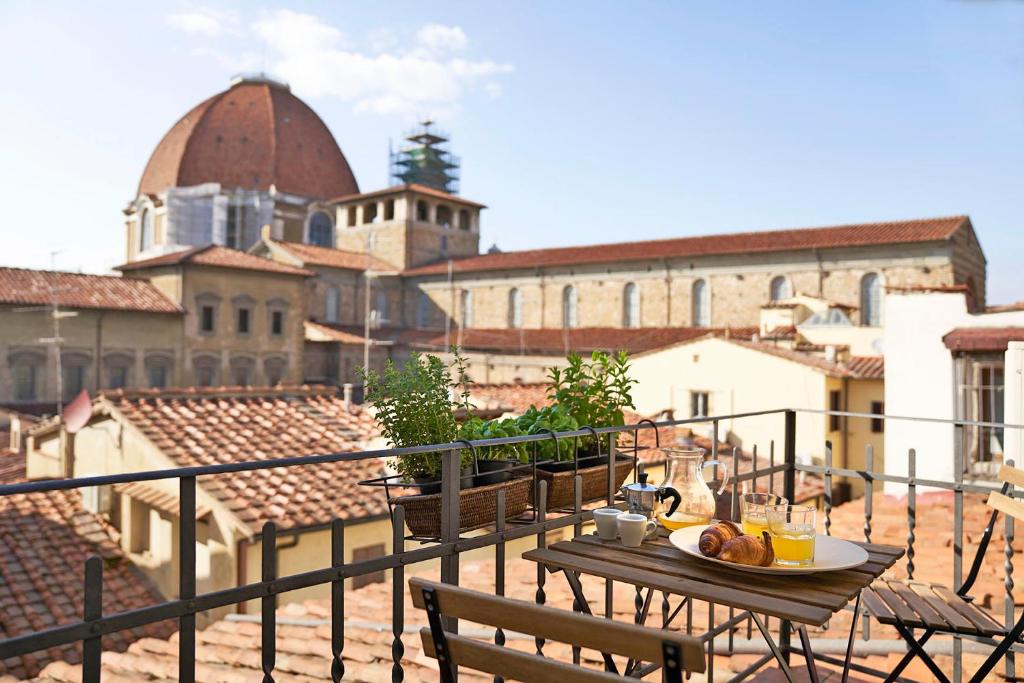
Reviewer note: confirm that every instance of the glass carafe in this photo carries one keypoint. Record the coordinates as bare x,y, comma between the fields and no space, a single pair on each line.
685,473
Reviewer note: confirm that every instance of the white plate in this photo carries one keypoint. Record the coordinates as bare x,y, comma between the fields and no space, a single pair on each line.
830,554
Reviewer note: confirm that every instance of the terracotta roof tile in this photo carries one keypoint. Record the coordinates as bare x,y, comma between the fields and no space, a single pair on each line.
866,367
583,339
45,539
254,135
216,256
207,427
994,339
864,234
21,286
312,255
415,187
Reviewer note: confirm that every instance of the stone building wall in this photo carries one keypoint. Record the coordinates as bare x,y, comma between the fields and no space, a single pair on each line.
739,285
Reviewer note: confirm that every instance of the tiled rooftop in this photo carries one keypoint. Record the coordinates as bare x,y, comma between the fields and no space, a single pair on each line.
858,235
45,539
218,257
206,427
312,255
990,339
24,287
558,341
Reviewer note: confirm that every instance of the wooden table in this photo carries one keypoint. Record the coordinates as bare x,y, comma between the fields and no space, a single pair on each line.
657,565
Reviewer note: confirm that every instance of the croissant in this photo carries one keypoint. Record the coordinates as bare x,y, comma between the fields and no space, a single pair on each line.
713,539
757,552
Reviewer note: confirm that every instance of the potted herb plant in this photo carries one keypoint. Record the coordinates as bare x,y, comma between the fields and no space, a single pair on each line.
415,405
593,392
495,462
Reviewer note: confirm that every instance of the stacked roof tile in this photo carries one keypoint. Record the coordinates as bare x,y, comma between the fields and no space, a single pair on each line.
45,539
859,235
215,256
208,427
21,286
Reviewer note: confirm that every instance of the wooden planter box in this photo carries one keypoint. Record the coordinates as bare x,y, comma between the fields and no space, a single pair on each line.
478,507
595,482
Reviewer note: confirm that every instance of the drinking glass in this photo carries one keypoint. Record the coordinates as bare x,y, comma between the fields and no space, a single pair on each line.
792,531
752,511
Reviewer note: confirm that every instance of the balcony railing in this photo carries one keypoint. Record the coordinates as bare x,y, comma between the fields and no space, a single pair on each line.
537,522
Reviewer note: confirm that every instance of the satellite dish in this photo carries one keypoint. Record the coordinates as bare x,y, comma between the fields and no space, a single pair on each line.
77,413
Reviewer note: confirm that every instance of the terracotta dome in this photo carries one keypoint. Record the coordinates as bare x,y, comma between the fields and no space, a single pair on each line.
253,135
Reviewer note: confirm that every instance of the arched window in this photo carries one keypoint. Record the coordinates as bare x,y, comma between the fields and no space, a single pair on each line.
569,303
780,288
207,370
159,368
27,370
871,300
701,304
444,216
274,369
422,211
145,230
242,371
515,308
321,230
467,308
74,373
423,310
381,307
464,220
332,305
631,306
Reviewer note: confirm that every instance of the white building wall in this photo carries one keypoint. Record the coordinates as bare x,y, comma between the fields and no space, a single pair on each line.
919,378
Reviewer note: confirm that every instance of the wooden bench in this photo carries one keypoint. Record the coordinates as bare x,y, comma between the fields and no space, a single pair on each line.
673,653
936,608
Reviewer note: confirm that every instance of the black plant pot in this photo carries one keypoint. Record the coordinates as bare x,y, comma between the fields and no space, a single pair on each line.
430,484
493,471
567,465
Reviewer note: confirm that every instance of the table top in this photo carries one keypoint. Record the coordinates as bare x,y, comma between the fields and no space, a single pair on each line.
807,599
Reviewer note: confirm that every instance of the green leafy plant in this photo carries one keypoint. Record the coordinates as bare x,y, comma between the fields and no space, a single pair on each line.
594,391
554,418
414,407
475,429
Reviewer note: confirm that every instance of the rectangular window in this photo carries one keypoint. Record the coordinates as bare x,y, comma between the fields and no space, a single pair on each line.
158,376
877,424
698,403
25,381
277,323
835,402
243,321
206,318
118,378
368,552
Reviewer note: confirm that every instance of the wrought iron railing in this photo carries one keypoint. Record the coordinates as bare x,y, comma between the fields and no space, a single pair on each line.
451,544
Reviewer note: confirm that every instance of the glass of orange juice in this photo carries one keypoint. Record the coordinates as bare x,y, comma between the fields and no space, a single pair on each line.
752,511
792,531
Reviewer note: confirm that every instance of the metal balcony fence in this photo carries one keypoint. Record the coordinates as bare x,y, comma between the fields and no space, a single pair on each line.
451,543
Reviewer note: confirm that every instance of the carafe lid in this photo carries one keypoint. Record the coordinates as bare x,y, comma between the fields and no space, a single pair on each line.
641,485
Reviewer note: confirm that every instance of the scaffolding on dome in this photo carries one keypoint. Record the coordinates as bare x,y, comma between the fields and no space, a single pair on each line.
426,161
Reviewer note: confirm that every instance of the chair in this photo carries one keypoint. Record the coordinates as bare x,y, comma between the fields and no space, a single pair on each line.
674,653
938,609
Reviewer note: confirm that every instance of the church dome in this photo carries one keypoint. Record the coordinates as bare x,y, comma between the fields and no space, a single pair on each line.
253,135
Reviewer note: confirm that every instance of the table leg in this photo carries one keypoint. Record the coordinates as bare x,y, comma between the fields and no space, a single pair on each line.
581,599
805,641
779,657
849,642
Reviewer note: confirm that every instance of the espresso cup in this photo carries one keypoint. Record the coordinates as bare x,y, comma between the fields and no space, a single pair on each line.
606,521
633,528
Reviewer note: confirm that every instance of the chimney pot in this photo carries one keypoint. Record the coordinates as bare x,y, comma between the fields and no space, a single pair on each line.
346,393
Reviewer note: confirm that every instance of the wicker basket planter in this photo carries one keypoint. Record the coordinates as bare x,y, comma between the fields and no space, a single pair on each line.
595,482
477,507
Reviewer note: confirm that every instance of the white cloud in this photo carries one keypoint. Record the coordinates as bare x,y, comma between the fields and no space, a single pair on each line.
440,38
200,22
317,60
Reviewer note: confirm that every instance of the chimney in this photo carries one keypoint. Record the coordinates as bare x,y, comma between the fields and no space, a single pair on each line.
830,353
15,433
346,393
265,232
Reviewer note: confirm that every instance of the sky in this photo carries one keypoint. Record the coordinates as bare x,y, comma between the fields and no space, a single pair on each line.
577,122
